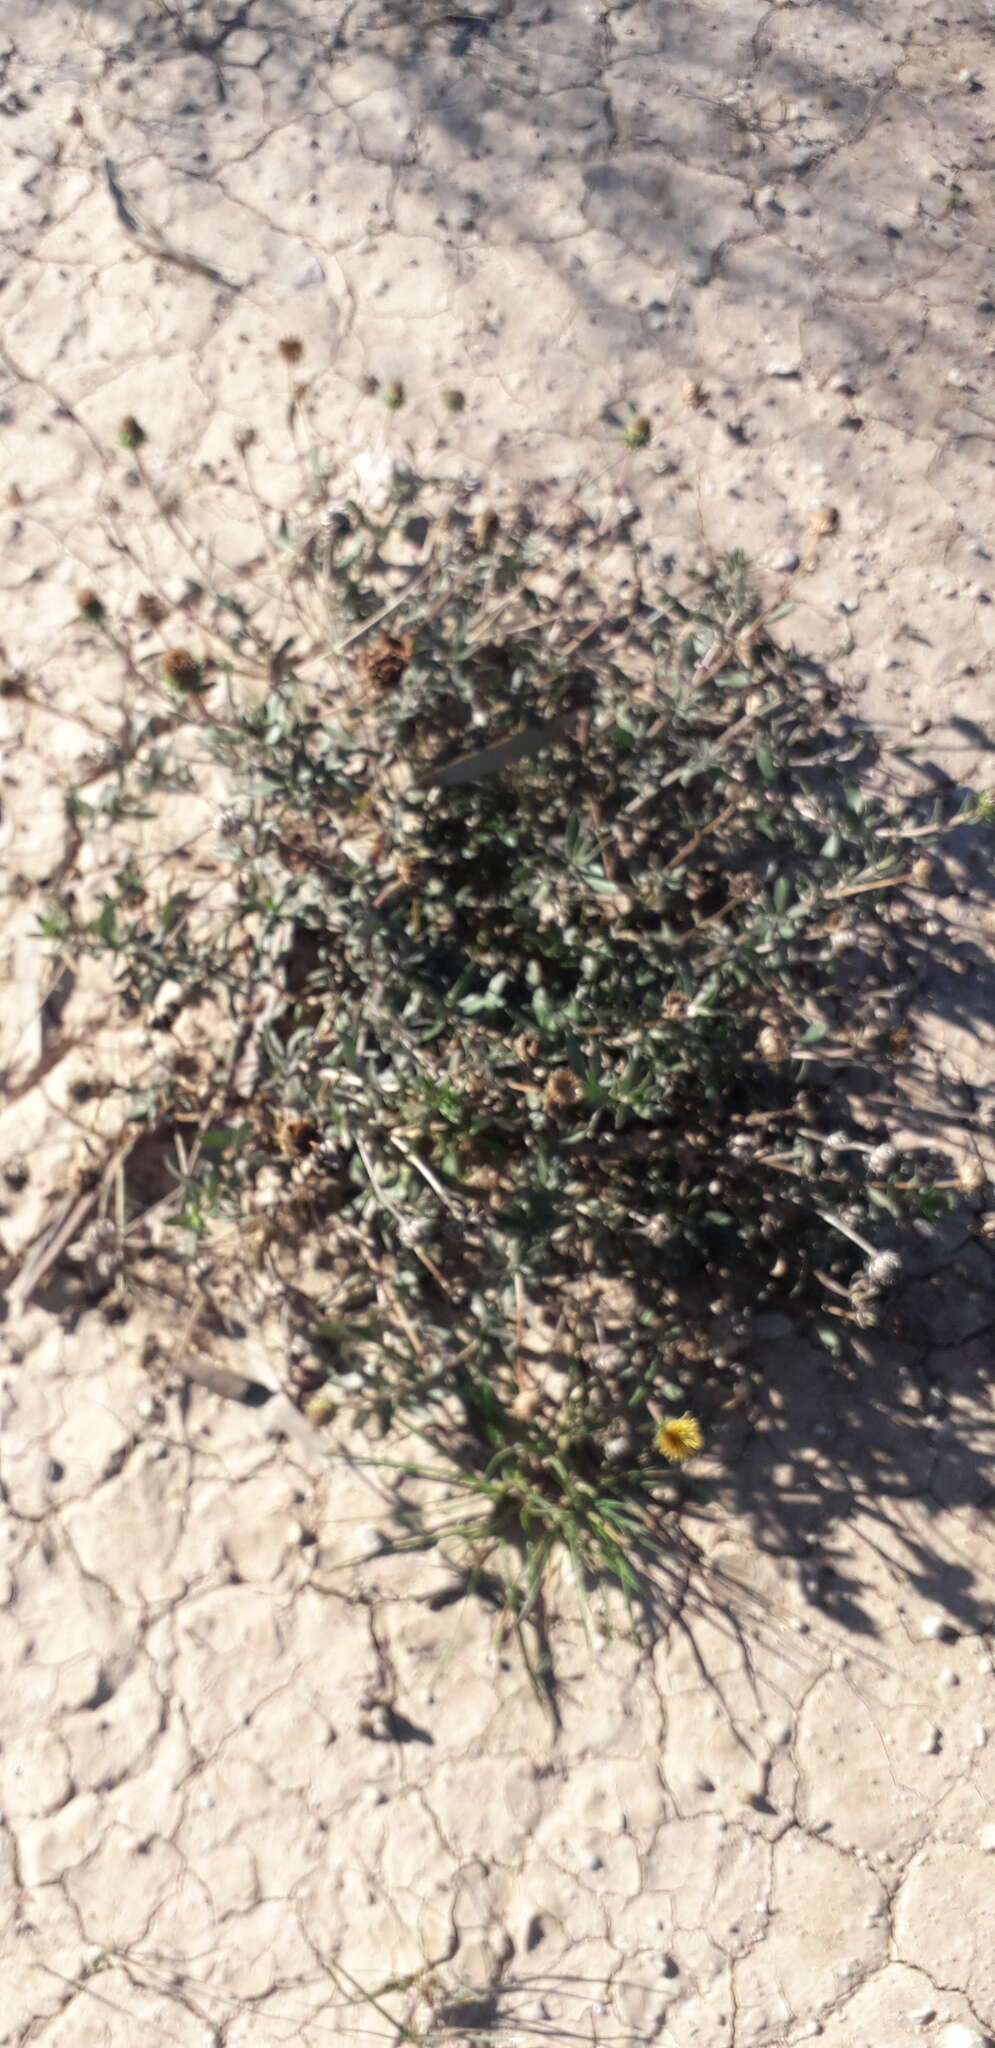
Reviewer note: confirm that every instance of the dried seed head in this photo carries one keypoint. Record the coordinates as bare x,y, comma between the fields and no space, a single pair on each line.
130,433
694,394
825,520
182,671
883,1269
295,1135
882,1160
90,607
383,661
525,1404
971,1177
922,872
837,1141
866,1303
561,1092
527,1048
290,348
394,395
149,609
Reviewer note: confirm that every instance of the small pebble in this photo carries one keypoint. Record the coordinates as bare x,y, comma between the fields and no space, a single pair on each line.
949,1677
986,1839
786,560
935,1628
979,1736
959,2036
985,1667
930,1744
920,724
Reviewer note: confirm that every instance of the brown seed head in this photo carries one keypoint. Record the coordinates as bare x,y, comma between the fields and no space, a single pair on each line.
528,1047
290,348
149,609
561,1092
90,606
383,661
182,671
825,520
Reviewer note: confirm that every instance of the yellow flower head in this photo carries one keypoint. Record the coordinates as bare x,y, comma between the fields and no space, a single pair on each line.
679,1437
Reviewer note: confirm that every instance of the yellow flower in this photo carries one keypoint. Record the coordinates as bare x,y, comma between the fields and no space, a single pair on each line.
679,1438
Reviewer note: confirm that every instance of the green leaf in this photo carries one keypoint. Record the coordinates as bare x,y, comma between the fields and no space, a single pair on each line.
782,893
226,1141
815,1033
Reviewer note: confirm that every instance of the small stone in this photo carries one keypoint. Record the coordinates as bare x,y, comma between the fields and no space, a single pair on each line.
920,724
959,2036
782,369
930,1744
985,1667
986,1839
979,1735
923,2015
935,1628
786,560
949,1677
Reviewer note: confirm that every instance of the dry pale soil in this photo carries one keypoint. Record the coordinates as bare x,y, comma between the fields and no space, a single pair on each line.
237,1783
